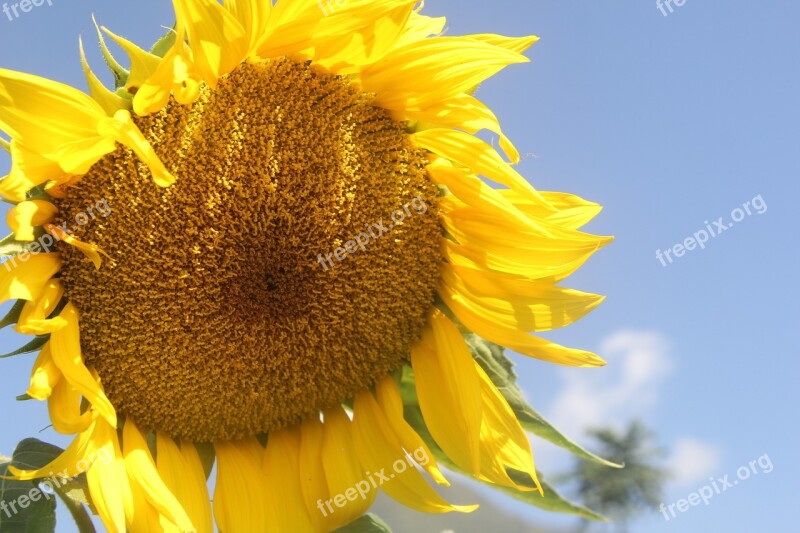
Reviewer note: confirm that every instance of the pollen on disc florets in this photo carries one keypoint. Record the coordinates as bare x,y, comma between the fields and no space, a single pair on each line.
215,317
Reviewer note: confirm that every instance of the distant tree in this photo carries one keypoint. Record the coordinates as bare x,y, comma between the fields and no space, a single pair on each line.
621,493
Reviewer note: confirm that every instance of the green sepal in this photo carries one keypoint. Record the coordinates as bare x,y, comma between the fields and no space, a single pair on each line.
207,456
369,523
33,346
39,193
163,45
24,397
10,246
13,314
501,371
550,501
120,73
123,93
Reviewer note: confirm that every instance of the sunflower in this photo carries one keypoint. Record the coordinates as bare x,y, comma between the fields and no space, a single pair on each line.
271,247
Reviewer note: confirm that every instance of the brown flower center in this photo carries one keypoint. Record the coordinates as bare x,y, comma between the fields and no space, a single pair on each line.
292,263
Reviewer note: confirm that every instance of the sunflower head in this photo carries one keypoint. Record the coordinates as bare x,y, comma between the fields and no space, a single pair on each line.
299,269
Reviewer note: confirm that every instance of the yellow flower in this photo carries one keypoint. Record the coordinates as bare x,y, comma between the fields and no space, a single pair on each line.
282,215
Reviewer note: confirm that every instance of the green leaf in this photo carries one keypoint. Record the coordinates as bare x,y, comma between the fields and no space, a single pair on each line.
32,454
33,346
551,501
13,314
38,513
501,371
162,46
36,517
369,523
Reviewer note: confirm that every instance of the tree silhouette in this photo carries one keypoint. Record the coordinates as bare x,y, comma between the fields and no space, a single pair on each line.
621,493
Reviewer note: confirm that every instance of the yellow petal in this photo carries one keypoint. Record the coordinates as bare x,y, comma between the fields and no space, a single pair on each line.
479,320
66,349
474,192
240,497
571,212
64,406
45,115
527,304
217,39
24,216
145,517
33,318
290,28
142,471
464,112
420,27
44,376
551,256
28,170
381,453
65,125
479,157
176,472
448,391
282,468
24,276
312,474
392,405
65,464
358,33
511,445
516,44
92,251
444,66
126,132
108,479
253,15
342,472
176,74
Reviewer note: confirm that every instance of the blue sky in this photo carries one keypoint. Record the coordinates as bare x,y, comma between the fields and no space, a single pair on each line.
669,122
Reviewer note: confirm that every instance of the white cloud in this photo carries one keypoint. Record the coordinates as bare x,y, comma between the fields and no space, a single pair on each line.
637,364
692,461
628,388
